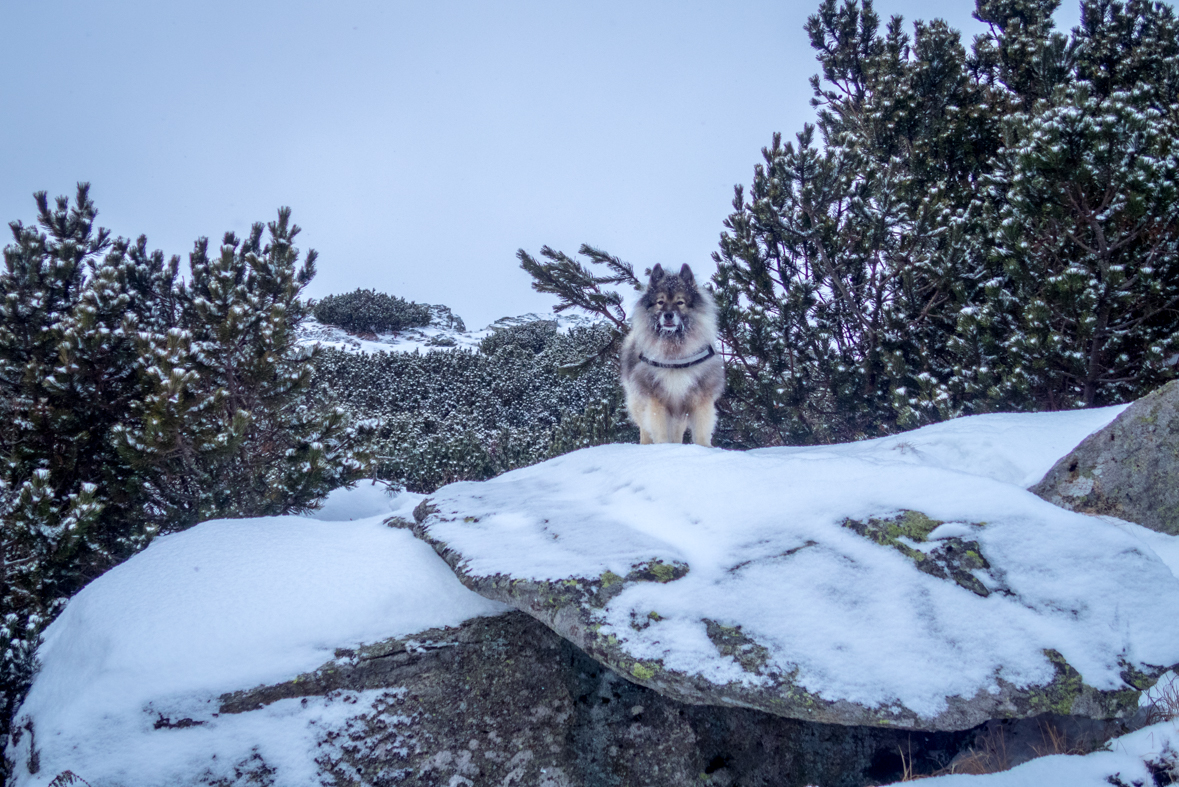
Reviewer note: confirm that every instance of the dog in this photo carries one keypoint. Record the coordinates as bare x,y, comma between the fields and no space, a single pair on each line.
671,372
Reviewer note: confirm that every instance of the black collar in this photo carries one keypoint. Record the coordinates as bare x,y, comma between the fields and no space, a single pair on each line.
700,357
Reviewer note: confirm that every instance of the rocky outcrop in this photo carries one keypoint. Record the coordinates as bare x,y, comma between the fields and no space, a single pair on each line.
573,607
743,604
1129,469
442,317
505,701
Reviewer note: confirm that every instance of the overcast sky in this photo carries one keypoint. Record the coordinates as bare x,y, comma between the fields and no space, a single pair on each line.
418,144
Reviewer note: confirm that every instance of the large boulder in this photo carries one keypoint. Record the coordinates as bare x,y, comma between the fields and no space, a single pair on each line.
1129,469
233,654
505,701
132,669
875,584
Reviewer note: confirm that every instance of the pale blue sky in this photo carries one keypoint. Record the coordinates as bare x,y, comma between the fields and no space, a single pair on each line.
419,144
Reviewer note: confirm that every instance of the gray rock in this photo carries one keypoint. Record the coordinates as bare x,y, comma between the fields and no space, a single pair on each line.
573,607
442,317
504,700
1129,469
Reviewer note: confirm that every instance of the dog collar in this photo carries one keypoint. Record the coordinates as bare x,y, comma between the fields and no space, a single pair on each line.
699,357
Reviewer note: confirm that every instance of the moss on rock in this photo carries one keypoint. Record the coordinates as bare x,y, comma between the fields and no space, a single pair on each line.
657,571
731,641
952,558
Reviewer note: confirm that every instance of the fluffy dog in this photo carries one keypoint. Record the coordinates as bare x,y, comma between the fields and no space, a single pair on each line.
671,372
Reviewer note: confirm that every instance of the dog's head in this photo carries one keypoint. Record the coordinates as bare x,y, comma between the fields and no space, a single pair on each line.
670,301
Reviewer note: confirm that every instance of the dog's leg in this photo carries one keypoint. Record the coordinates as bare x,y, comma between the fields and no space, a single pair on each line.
703,422
677,425
639,408
658,422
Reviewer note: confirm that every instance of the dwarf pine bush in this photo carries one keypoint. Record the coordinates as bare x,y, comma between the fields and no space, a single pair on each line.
967,231
369,311
133,403
452,415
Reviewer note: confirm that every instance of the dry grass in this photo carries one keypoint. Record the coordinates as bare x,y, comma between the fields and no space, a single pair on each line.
1054,741
907,774
988,756
1164,700
990,752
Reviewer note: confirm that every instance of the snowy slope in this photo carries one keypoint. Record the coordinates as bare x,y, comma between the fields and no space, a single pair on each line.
841,617
439,335
226,605
233,604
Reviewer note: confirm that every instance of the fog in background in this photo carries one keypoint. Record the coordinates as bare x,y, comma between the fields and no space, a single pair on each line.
418,144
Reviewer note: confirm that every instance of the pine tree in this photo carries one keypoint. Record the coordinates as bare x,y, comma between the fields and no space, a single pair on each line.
576,286
229,425
837,279
50,536
1022,55
1077,228
131,403
966,231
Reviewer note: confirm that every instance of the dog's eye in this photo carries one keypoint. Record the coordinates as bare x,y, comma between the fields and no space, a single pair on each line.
679,303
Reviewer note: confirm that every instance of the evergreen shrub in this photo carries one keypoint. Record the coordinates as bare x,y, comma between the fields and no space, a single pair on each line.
369,311
133,403
452,415
533,336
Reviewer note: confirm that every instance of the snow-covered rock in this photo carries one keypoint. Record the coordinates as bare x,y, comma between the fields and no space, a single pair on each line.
300,653
1129,469
334,649
133,669
907,582
446,331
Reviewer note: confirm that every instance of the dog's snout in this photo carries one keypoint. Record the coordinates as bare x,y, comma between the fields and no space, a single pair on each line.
669,316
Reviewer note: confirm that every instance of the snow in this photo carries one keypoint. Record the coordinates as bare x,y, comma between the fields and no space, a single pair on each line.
429,338
126,750
761,533
1016,448
227,605
366,500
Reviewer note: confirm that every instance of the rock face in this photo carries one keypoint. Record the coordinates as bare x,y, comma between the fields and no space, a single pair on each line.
442,317
898,620
574,608
1129,469
505,701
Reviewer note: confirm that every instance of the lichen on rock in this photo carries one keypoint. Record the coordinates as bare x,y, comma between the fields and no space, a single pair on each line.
951,558
731,641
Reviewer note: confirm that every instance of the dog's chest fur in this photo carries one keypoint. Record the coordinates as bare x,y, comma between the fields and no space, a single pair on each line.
678,389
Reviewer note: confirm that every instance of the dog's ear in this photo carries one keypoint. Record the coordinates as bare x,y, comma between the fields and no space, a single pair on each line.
686,276
656,273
